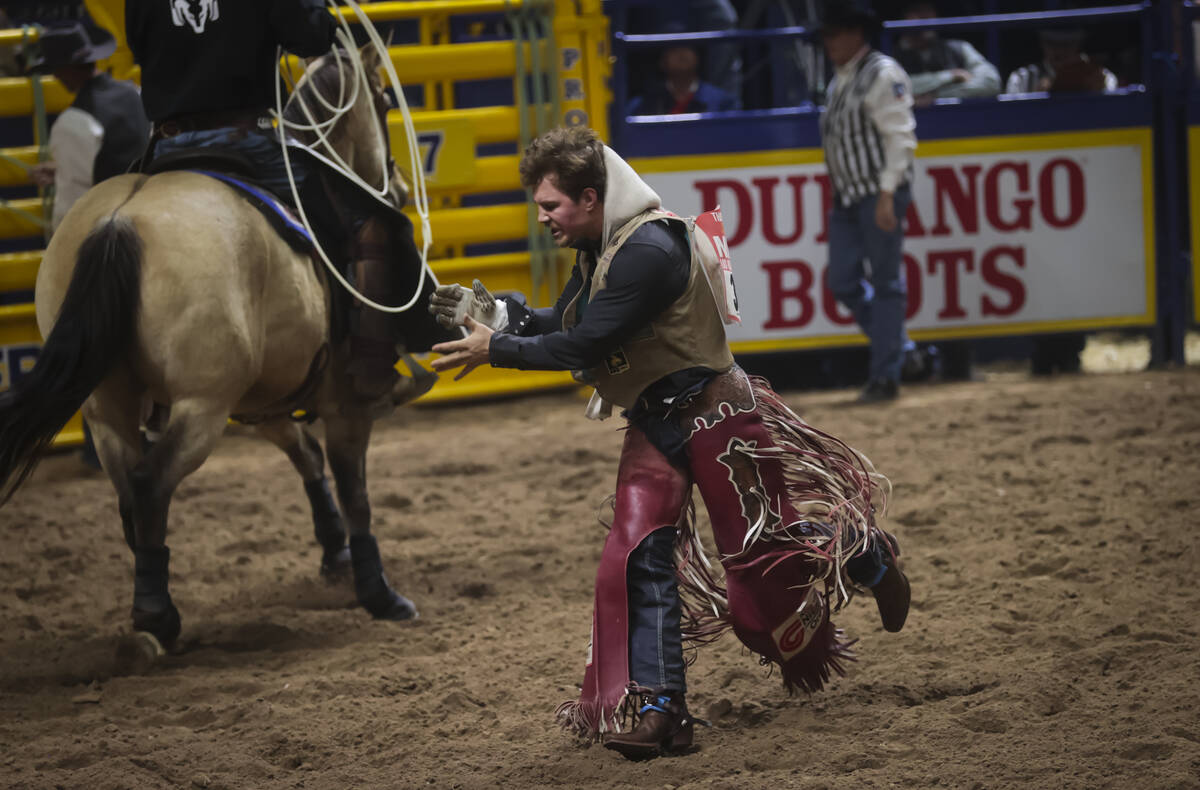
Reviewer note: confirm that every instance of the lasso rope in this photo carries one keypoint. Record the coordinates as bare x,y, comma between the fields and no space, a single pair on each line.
335,161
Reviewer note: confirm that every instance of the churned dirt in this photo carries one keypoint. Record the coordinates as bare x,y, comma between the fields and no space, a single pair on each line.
1049,525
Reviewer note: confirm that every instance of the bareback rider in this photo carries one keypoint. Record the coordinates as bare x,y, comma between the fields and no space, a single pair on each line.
209,74
639,317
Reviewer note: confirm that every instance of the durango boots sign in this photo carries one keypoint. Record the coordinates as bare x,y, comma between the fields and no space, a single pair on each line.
1003,236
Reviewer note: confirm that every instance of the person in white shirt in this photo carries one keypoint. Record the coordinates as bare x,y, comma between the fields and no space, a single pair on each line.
942,67
1064,67
103,131
868,132
99,136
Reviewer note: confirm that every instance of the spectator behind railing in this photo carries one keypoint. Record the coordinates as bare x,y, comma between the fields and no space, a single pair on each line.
44,12
680,90
1064,67
721,63
942,67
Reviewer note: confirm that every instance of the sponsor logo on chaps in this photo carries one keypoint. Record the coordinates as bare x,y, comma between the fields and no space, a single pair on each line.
793,634
747,480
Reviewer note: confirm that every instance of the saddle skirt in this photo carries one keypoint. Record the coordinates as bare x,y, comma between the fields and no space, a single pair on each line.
281,216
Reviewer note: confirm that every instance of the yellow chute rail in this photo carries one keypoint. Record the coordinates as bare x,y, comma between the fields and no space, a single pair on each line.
483,77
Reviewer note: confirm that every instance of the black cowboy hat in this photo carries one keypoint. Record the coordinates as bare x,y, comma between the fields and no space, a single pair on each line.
70,44
847,15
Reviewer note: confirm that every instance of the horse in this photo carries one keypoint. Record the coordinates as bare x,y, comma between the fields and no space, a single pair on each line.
169,303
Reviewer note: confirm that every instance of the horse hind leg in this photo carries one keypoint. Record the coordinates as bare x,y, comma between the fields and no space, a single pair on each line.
346,439
191,434
112,417
304,451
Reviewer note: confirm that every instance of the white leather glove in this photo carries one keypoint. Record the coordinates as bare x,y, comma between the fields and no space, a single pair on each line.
598,408
451,304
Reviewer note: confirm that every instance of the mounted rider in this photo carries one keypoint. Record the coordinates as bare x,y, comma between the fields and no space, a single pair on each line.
209,73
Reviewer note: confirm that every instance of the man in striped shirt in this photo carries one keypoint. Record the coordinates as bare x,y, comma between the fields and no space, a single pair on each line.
868,132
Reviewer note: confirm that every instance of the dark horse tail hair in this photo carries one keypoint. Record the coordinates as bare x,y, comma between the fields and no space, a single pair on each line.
94,329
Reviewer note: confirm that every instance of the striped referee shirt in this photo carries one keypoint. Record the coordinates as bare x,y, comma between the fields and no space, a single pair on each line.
868,129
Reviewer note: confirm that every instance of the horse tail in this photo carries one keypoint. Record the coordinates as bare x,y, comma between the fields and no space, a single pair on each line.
95,327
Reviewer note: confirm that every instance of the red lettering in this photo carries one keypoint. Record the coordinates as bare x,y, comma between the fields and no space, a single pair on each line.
912,278
952,305
991,197
833,309
709,199
766,193
964,201
1076,196
795,299
826,206
989,268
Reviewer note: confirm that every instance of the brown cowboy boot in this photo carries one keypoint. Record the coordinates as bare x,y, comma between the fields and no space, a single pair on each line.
664,726
892,592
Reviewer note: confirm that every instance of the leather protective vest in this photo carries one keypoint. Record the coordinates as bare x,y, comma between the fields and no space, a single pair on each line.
688,334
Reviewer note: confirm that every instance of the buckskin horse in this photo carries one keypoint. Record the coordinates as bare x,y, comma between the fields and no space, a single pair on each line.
169,300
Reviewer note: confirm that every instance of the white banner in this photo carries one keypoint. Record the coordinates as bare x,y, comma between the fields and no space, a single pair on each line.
1053,237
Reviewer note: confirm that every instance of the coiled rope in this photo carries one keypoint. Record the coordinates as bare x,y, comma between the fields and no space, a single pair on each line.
330,157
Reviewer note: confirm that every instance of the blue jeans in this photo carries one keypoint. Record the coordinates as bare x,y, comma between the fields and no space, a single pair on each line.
866,274
261,149
655,646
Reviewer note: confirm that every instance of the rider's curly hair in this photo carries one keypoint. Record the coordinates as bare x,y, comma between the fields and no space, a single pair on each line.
572,156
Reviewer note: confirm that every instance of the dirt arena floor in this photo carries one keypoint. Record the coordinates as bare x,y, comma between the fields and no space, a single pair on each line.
1050,529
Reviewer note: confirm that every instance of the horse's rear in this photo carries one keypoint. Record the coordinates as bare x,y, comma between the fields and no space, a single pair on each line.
228,317
167,302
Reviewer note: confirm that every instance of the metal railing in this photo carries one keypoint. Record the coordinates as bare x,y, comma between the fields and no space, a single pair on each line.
1171,88
992,24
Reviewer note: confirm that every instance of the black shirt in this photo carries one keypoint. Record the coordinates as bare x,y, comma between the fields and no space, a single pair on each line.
196,62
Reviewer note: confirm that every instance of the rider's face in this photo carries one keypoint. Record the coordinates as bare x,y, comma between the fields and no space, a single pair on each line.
569,221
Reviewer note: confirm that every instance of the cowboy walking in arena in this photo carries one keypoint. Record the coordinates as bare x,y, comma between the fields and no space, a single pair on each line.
791,508
868,132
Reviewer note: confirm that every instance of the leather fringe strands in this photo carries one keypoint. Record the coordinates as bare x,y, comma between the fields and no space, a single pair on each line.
838,492
585,719
802,506
832,484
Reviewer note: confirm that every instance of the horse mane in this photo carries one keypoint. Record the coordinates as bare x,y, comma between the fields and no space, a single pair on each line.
322,81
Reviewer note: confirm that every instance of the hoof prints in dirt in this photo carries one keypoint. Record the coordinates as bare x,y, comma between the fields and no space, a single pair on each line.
467,469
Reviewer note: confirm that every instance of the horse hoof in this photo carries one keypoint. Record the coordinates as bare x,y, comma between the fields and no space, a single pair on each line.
138,652
395,607
336,566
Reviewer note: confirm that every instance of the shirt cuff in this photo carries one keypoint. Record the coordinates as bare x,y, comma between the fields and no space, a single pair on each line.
504,350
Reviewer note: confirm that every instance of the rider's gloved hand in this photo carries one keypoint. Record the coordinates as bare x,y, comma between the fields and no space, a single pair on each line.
451,304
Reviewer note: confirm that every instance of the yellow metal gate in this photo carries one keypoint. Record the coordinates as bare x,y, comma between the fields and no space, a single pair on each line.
555,53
